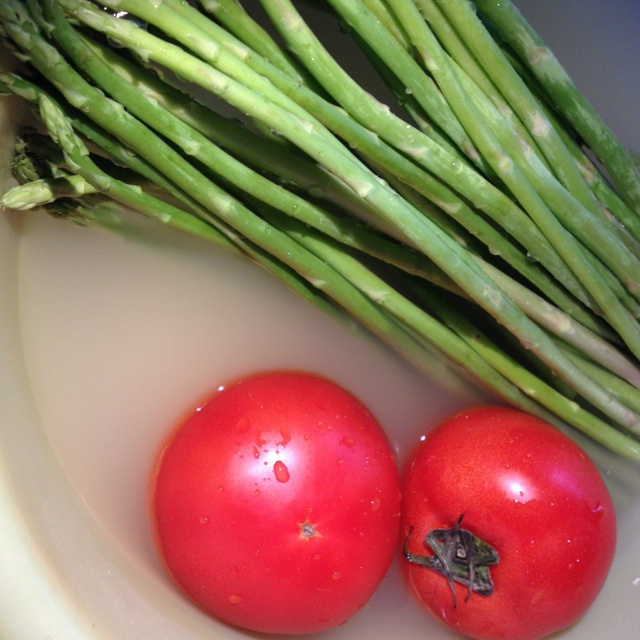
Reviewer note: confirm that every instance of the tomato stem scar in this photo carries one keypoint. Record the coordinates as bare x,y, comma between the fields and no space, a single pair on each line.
460,556
308,530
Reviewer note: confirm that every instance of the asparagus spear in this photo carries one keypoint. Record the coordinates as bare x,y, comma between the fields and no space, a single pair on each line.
511,173
373,191
353,234
44,191
372,314
532,50
448,168
303,129
319,272
570,198
551,318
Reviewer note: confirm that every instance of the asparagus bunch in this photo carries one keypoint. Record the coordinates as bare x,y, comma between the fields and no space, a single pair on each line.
471,197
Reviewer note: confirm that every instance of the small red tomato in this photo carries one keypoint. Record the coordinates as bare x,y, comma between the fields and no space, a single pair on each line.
510,530
277,504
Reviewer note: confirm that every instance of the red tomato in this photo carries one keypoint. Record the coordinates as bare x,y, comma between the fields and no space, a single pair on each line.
277,505
529,499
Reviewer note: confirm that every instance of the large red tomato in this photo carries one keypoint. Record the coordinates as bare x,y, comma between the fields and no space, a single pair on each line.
510,530
277,504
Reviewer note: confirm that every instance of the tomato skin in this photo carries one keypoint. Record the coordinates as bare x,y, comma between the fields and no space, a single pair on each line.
277,505
532,494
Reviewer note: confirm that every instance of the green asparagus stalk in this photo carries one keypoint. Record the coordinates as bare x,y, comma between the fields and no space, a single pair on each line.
499,207
371,190
457,48
313,53
532,50
380,164
486,51
44,191
379,195
505,166
468,332
577,205
158,209
555,321
324,277
302,41
431,99
234,172
231,14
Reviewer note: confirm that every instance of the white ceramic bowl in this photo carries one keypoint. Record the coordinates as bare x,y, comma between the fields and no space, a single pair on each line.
107,339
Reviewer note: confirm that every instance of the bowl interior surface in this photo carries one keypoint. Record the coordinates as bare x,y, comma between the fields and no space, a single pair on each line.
110,337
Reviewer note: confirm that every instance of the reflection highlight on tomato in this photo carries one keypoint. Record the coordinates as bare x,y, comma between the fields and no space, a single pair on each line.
509,528
277,504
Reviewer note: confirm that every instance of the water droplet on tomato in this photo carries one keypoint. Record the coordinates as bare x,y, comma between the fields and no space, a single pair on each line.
256,452
204,520
348,442
336,575
235,598
375,504
244,424
281,472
